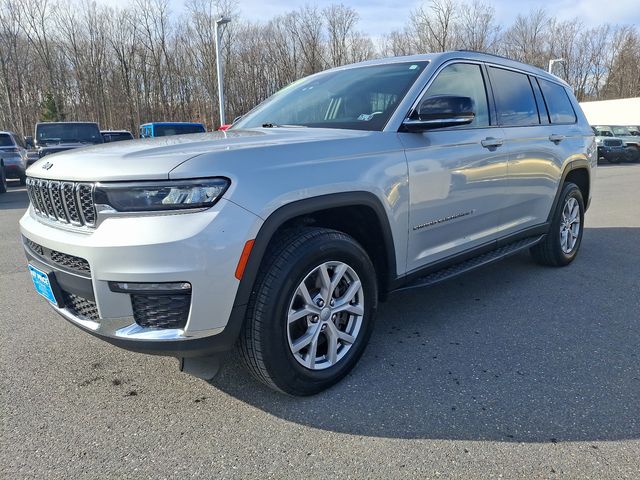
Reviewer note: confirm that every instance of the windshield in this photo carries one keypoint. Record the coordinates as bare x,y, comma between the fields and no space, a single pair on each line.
361,98
621,131
602,132
166,130
6,140
68,132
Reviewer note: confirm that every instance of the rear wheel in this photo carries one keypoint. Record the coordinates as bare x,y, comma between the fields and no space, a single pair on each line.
311,313
561,244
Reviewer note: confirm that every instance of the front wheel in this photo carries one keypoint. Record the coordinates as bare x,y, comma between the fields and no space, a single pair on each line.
560,246
311,313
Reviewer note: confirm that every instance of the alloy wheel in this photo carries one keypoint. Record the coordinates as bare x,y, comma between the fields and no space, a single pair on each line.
325,315
570,225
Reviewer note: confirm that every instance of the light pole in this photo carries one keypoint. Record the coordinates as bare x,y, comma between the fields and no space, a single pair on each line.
553,61
218,31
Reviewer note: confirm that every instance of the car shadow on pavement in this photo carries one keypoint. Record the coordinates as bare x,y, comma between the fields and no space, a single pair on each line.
513,352
14,198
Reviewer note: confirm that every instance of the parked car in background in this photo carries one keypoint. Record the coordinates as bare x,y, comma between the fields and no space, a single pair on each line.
610,148
279,236
13,159
54,137
631,141
165,129
116,135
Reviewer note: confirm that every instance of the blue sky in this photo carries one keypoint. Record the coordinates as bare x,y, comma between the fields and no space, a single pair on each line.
378,17
381,16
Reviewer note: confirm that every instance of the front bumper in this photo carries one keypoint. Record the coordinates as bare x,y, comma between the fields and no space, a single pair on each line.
201,248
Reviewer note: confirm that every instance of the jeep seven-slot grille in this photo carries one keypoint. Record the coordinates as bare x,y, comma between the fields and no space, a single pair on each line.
612,143
69,203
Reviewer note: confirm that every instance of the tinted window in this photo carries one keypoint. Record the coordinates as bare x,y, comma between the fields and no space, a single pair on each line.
542,107
515,102
6,140
360,98
166,130
463,80
558,103
68,132
117,136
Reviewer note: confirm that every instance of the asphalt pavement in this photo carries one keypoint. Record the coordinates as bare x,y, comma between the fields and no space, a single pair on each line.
512,371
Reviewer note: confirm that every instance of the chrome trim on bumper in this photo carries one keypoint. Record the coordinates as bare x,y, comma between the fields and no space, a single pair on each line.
126,329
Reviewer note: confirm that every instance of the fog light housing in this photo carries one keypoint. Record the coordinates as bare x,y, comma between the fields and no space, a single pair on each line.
163,305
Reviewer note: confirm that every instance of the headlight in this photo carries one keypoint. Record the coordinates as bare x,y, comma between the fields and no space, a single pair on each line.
157,196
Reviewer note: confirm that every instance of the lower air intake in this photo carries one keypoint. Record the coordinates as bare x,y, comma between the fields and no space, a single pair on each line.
161,311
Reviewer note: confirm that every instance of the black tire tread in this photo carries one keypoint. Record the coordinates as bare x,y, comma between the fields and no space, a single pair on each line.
280,254
545,252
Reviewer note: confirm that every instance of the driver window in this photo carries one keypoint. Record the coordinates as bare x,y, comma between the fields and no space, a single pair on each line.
463,80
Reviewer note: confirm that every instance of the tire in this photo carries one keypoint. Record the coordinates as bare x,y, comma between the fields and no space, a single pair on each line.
3,180
615,159
23,180
272,332
554,250
634,154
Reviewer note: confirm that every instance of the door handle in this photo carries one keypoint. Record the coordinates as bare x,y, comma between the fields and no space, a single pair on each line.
491,142
555,138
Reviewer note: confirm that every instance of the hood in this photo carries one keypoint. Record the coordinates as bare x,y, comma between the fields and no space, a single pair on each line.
154,158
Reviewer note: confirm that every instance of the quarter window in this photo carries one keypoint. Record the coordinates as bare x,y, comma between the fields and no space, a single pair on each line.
558,103
515,102
463,80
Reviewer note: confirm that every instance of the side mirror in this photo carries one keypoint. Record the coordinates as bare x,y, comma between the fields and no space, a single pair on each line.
440,111
28,141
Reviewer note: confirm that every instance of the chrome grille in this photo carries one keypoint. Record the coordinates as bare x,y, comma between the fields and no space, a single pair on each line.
64,202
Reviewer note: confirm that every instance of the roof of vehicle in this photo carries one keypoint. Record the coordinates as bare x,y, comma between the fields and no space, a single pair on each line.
172,123
462,55
6,133
115,131
71,123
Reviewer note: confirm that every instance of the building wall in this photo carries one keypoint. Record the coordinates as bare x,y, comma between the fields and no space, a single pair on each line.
625,111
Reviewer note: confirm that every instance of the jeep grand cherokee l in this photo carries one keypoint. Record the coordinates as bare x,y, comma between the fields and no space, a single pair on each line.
280,235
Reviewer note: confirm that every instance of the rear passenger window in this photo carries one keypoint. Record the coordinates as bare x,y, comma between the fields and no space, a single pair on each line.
558,103
515,102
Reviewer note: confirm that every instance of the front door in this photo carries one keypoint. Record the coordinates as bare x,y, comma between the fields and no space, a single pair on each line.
456,175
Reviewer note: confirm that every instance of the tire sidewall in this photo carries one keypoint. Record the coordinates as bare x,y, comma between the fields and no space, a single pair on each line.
568,191
278,358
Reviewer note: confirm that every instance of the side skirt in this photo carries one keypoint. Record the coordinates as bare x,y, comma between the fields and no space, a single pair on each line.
453,269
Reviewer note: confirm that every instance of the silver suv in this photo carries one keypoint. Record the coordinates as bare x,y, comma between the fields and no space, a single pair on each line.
281,235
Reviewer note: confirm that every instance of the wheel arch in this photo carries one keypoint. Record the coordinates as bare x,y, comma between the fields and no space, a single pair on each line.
578,172
314,211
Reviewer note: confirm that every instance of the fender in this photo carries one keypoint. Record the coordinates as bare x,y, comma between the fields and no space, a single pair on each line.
303,207
572,165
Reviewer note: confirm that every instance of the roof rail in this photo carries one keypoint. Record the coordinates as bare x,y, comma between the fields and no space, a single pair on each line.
485,53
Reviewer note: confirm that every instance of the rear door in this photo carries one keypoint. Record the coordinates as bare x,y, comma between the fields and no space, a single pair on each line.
456,174
536,150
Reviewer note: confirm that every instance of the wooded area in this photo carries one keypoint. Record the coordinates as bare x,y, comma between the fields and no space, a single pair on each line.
63,59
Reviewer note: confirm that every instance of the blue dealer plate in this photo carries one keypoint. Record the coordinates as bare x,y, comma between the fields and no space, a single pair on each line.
42,283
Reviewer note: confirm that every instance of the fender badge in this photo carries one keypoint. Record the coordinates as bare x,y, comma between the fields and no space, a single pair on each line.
47,166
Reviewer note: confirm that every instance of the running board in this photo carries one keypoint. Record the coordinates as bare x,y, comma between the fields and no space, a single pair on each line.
472,263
